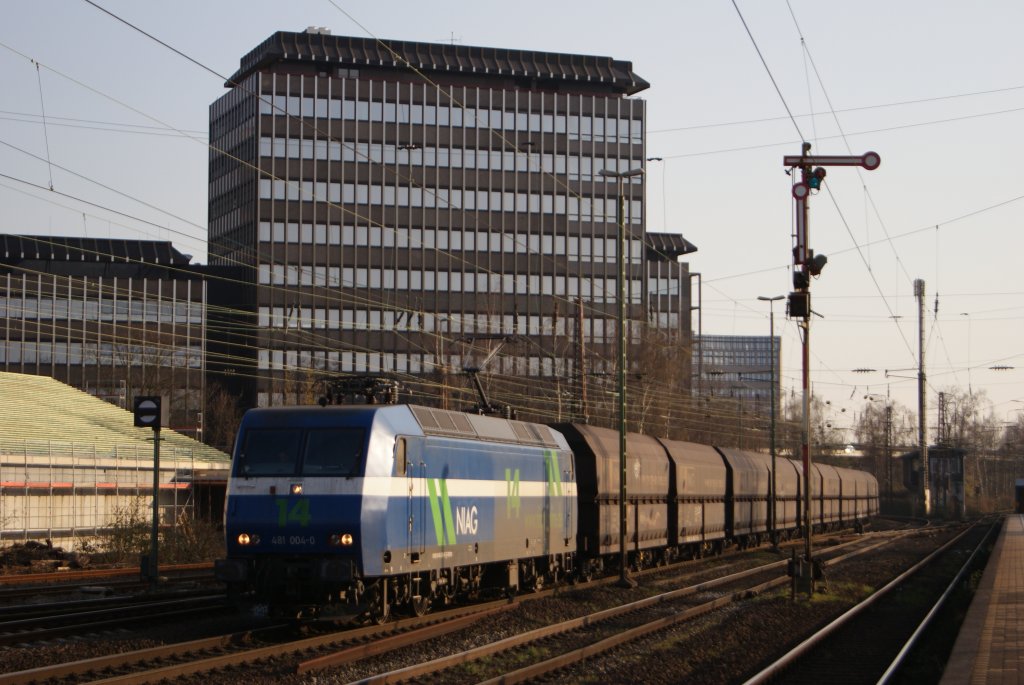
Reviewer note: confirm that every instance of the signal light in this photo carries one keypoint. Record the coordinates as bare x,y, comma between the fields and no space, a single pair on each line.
814,179
801,280
799,305
816,264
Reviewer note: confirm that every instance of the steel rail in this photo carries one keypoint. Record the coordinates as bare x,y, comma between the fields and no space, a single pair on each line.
122,659
912,640
398,641
71,576
17,615
536,670
220,661
97,621
814,640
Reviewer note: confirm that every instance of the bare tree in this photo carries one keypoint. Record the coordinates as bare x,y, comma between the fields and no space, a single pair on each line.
223,414
659,383
968,421
826,439
884,429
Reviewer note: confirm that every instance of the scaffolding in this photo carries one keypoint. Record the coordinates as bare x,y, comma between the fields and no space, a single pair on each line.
67,491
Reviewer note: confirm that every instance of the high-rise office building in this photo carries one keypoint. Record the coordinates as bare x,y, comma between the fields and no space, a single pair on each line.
407,208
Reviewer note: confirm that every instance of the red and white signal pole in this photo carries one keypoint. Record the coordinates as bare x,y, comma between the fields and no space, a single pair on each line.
805,265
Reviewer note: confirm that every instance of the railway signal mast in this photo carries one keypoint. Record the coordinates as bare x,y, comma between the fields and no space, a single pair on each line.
805,265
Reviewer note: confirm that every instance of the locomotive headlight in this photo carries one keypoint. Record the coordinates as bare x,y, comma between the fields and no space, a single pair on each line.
343,539
296,488
244,539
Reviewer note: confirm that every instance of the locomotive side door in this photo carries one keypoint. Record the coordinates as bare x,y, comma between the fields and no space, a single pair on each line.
416,488
568,476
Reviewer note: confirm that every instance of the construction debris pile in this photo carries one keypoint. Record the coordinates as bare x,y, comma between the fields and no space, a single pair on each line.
38,557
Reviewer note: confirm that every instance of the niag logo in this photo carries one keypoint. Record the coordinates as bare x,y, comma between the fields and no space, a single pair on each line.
466,522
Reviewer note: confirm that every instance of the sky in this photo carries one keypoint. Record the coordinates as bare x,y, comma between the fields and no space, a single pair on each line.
933,86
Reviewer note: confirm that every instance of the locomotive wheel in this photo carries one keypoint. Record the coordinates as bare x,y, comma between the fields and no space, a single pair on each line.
380,607
419,605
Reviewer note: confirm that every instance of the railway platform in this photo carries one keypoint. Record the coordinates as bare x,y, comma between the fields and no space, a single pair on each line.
990,647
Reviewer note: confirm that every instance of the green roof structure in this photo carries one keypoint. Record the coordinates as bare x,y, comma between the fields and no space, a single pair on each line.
40,413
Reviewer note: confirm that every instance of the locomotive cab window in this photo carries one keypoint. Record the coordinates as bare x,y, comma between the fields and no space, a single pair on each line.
400,463
269,453
334,452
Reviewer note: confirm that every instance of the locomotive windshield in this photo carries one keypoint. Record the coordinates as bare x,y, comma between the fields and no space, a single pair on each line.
294,451
333,452
270,453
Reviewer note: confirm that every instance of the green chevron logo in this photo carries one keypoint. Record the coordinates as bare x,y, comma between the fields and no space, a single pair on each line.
438,491
512,492
554,476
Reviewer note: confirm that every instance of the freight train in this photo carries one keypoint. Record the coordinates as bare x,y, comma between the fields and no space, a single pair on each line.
366,509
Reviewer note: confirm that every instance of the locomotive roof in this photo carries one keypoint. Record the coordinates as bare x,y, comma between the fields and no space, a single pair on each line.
457,424
431,421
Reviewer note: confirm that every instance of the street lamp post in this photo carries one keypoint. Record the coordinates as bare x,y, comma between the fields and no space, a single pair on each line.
620,255
699,347
771,358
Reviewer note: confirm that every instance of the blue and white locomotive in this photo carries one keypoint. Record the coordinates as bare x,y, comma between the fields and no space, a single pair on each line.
368,508
353,509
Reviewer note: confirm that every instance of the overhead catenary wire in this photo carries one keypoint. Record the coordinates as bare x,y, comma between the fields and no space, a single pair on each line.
846,110
210,70
46,135
934,329
307,124
771,76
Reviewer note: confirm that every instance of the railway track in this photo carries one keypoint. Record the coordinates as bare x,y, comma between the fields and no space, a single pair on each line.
34,623
871,641
236,649
94,575
276,646
34,586
535,654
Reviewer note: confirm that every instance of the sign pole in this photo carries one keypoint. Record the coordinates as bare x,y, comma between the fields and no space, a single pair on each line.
147,415
154,573
805,265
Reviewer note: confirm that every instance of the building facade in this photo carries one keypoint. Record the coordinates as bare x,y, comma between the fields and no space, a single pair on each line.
407,208
115,318
739,367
